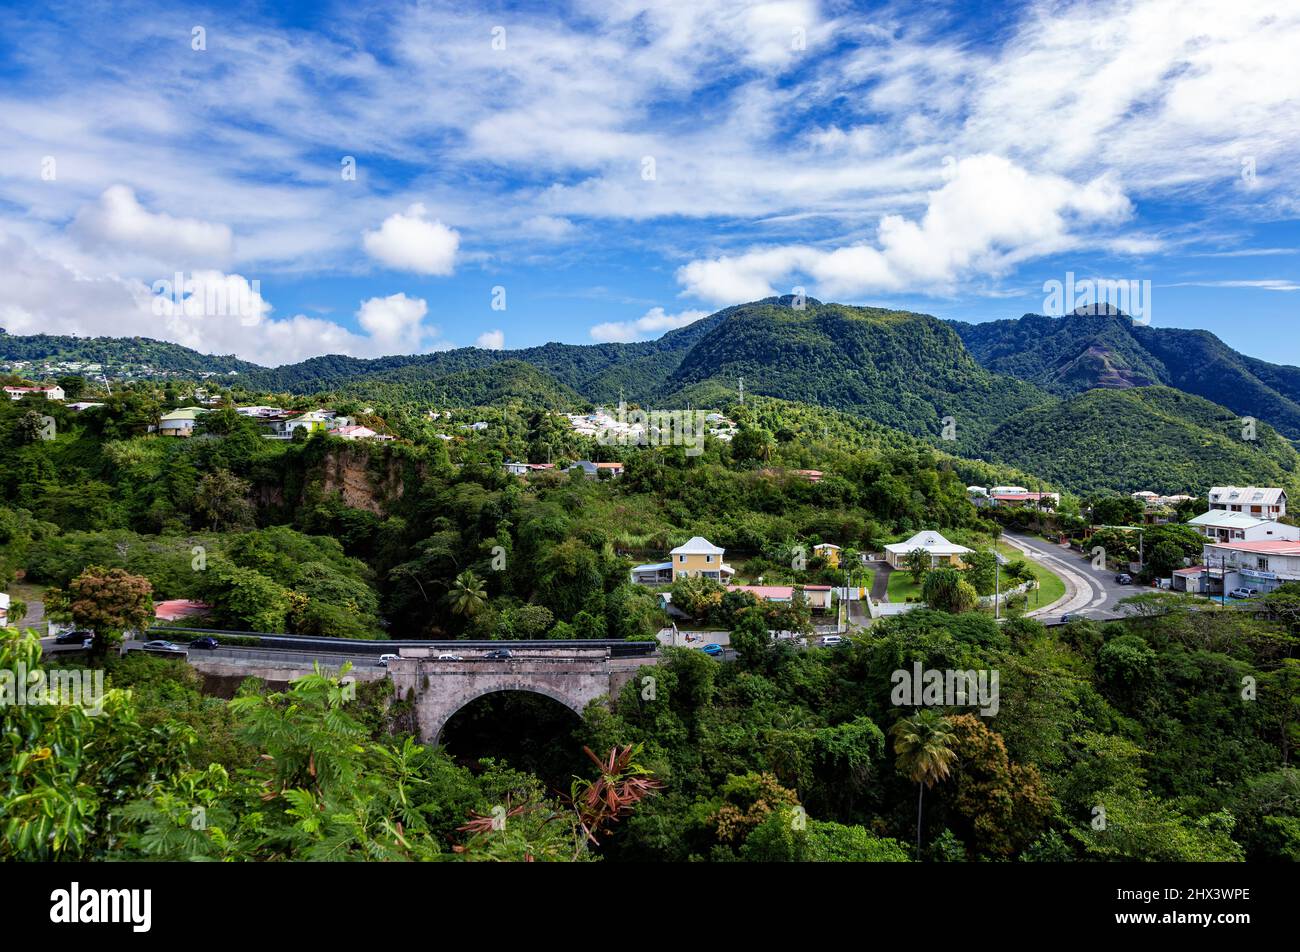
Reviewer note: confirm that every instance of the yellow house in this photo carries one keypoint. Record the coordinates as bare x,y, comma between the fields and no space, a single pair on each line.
830,553
939,549
698,557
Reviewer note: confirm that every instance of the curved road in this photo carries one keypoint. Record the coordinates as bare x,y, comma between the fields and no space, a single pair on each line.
1088,591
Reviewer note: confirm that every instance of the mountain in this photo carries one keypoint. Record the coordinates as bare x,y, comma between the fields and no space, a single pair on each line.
1068,355
1088,401
1155,438
117,356
905,370
598,371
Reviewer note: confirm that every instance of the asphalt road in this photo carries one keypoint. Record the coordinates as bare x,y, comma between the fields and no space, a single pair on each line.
1090,592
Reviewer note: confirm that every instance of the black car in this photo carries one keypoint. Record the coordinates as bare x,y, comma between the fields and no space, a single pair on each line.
499,654
207,642
1123,578
73,637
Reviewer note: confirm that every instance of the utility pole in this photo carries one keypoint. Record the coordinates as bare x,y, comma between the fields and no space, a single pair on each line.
742,391
997,586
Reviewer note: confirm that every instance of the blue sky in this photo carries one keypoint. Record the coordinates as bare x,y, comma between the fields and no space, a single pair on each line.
618,168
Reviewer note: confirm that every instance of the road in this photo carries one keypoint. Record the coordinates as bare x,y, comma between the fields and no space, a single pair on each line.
1090,592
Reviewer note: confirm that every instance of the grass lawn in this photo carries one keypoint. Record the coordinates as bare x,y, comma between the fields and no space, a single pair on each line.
863,578
901,586
1050,585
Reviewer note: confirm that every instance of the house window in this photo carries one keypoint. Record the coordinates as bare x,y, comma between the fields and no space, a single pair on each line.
681,558
708,559
1261,564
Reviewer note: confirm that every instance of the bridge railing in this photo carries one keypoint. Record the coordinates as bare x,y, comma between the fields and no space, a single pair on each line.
287,642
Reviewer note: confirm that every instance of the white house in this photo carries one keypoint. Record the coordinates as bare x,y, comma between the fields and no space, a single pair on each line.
179,422
523,469
1003,490
83,405
939,549
1269,502
49,393
1220,525
356,433
1260,565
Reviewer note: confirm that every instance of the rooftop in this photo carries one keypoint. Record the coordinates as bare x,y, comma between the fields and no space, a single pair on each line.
698,545
1267,546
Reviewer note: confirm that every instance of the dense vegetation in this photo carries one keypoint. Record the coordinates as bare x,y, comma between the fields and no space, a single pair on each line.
321,536
990,391
1178,444
1166,737
1175,727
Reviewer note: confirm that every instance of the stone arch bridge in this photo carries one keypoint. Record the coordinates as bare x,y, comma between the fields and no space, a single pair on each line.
439,688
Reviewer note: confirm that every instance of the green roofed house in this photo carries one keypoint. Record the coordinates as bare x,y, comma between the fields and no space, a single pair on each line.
179,422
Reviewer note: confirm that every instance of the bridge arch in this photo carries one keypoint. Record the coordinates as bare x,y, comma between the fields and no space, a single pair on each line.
433,731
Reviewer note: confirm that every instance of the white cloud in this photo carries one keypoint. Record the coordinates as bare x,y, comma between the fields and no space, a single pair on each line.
801,154
395,323
118,220
1263,284
990,214
411,242
548,226
651,324
491,340
43,295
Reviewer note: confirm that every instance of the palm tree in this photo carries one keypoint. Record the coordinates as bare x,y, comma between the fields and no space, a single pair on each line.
467,594
923,753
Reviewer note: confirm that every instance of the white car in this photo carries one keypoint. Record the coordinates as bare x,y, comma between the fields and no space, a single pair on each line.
450,657
385,658
830,641
1243,593
161,646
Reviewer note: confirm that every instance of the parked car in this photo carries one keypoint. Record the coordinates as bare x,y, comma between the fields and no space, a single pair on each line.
1067,618
1123,578
450,657
499,654
830,641
207,643
713,650
1243,593
162,646
76,637
385,658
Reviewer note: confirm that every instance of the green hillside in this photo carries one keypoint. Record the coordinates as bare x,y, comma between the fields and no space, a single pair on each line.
1068,355
1153,438
117,354
504,382
901,369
